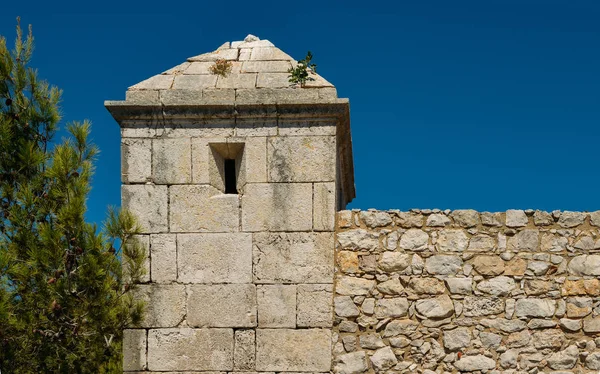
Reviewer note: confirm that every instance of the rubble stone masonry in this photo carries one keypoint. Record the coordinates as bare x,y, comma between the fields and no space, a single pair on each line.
431,291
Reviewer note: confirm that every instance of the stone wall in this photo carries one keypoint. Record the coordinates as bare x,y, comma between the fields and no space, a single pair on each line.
431,291
236,282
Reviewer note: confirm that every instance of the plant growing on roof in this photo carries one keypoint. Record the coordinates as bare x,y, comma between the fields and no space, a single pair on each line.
221,67
301,73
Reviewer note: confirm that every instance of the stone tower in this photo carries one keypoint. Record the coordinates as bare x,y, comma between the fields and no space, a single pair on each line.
236,181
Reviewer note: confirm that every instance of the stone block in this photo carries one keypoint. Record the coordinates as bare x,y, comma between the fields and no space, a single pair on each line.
157,82
301,159
314,305
171,161
199,67
253,167
244,80
194,82
214,258
164,258
136,164
142,97
273,80
306,127
270,54
202,208
324,206
181,97
293,350
276,306
277,207
165,304
266,66
293,257
244,353
134,350
190,349
149,203
221,305
252,127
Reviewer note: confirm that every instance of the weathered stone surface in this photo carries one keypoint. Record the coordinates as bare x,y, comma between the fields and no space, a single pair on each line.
593,361
491,219
400,327
525,240
276,306
277,207
457,339
565,359
371,341
516,266
536,308
490,340
571,219
452,241
171,161
222,305
358,239
293,257
134,350
414,240
149,204
475,363
595,218
438,220
504,325
591,325
351,363
460,286
244,353
324,206
393,307
347,262
384,358
430,286
165,304
345,307
482,243
585,265
293,350
164,258
390,287
439,307
169,349
443,264
498,286
301,159
353,286
516,218
465,217
136,160
314,305
375,219
201,208
214,258
541,218
482,306
488,265
394,261
570,325
549,338
579,307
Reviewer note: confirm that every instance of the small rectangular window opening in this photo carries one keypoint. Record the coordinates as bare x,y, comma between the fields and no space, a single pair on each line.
230,182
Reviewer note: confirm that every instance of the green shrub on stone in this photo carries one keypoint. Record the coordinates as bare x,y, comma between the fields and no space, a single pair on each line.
301,73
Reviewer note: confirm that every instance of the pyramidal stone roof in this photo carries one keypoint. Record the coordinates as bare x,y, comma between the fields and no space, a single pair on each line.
259,74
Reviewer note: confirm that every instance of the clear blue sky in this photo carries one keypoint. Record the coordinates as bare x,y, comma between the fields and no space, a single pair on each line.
454,104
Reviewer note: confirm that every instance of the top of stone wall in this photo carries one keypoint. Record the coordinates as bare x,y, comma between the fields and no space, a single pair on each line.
511,220
259,74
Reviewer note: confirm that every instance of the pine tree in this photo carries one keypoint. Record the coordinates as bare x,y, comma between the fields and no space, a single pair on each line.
64,296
